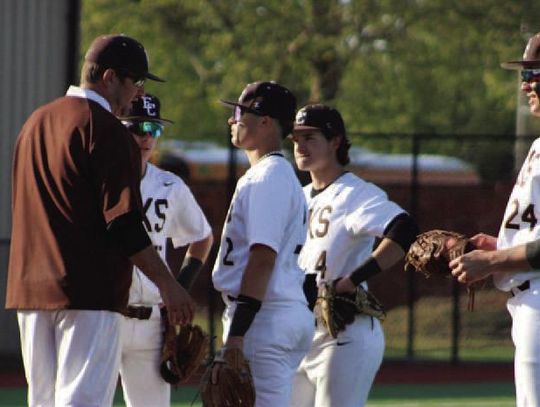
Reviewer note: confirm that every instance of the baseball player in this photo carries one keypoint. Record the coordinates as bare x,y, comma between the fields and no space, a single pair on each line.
170,212
346,214
256,269
77,230
513,258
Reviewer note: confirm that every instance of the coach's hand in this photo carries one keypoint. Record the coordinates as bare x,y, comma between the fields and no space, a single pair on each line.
178,302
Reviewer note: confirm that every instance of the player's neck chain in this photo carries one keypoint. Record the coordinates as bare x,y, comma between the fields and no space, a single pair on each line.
276,152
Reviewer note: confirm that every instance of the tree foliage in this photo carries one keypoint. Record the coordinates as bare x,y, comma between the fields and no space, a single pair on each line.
428,66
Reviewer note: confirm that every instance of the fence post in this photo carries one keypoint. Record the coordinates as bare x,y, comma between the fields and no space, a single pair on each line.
410,274
454,358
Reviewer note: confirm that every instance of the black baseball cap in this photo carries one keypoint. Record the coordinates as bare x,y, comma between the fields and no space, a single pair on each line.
320,117
531,56
267,99
118,51
146,108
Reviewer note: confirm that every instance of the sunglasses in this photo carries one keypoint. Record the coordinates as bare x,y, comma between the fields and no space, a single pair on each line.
141,129
529,75
240,110
137,80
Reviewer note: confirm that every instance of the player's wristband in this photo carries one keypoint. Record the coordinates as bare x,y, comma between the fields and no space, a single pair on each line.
310,290
246,309
532,250
189,272
365,271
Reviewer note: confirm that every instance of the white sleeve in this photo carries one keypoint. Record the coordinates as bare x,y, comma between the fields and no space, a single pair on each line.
187,223
268,206
373,213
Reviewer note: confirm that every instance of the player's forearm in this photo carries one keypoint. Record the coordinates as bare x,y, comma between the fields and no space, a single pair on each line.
383,257
513,259
387,254
200,249
151,264
252,292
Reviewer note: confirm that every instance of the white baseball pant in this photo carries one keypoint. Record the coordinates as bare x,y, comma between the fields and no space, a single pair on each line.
71,357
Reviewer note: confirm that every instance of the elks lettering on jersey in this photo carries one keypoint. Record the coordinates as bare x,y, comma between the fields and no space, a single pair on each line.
527,168
159,211
319,222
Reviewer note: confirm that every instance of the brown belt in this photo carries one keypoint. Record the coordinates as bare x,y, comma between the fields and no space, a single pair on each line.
138,312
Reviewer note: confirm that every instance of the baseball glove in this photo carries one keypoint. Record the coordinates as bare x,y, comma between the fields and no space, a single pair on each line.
182,353
233,386
336,311
433,250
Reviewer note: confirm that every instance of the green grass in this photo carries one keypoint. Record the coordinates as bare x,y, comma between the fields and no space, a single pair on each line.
426,395
484,336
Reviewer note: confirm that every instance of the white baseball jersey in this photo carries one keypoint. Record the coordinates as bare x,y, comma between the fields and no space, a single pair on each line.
520,223
344,220
170,211
268,207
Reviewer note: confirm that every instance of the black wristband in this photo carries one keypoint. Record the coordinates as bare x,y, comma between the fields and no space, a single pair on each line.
310,290
246,309
365,271
189,271
532,250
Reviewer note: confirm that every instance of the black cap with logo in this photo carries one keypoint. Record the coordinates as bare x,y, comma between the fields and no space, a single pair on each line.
267,99
531,56
118,51
146,108
320,117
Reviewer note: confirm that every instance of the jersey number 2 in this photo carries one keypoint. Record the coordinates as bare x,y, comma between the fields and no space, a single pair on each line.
226,260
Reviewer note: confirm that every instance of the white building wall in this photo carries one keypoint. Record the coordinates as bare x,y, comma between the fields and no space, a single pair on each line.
36,59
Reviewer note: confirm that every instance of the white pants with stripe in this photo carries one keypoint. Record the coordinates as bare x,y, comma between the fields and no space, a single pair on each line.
339,372
71,357
274,345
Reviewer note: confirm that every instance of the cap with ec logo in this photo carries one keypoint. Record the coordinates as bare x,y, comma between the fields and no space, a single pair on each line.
146,108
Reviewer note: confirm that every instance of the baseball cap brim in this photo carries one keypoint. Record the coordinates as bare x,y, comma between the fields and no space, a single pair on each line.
514,65
302,127
145,119
229,104
154,77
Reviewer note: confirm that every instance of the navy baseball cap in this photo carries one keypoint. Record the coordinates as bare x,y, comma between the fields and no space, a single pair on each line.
118,51
267,99
146,108
531,56
320,117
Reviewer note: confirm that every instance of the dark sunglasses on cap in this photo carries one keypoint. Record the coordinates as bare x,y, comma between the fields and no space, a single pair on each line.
240,110
528,75
141,129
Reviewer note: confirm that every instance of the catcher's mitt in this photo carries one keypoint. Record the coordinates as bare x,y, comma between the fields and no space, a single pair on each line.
433,250
336,311
182,353
233,386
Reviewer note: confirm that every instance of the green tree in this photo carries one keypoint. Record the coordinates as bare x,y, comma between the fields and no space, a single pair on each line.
429,66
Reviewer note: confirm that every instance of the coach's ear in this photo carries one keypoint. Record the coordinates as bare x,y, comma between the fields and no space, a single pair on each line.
108,76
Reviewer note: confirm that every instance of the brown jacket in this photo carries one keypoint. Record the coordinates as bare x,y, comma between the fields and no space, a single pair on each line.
76,168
